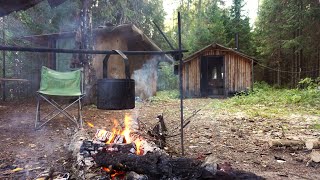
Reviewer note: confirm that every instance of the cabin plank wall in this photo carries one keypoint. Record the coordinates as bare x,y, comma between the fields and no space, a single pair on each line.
238,72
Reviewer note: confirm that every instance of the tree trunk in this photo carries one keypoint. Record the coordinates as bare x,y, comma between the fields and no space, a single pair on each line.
86,59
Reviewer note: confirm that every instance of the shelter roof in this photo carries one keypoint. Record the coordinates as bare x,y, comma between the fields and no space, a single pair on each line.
136,39
9,6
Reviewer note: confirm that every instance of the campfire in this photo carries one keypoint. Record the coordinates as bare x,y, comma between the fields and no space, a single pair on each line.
122,153
120,136
124,140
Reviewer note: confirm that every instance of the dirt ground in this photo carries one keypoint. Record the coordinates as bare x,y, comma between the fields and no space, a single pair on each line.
233,138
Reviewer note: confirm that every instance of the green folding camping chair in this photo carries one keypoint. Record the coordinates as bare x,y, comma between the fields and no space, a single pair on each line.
66,85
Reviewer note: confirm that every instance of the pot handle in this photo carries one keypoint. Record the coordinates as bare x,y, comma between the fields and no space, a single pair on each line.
127,70
126,63
125,60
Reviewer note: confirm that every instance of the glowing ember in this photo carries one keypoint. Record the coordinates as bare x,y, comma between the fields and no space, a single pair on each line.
106,169
114,173
90,124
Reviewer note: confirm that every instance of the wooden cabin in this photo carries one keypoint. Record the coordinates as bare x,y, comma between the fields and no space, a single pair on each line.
216,71
126,37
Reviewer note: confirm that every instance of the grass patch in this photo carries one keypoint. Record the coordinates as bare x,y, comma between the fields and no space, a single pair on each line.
166,95
269,102
316,126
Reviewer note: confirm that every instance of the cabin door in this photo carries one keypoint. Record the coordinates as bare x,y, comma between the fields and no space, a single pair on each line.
212,76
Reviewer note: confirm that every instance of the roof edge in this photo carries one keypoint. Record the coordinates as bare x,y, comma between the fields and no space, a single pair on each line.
214,45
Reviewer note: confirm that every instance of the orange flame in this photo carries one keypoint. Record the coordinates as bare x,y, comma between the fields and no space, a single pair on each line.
116,130
126,131
90,124
138,145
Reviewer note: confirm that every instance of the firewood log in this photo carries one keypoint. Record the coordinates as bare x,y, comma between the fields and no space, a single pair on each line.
312,144
315,156
286,143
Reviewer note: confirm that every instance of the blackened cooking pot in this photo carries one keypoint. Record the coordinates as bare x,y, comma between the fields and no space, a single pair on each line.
116,94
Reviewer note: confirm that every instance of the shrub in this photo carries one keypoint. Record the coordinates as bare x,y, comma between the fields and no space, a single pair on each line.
308,83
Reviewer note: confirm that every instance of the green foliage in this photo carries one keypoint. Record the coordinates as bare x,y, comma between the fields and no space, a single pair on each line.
269,102
236,23
42,19
165,96
167,80
308,83
140,13
286,37
206,22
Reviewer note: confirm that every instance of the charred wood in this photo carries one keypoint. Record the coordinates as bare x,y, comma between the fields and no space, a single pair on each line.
159,132
157,165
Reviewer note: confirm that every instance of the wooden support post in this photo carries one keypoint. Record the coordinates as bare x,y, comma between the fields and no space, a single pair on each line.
181,88
3,61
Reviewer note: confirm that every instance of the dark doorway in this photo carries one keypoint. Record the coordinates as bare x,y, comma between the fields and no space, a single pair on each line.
212,76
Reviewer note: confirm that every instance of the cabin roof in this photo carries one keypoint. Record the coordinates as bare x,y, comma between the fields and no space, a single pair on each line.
9,6
217,46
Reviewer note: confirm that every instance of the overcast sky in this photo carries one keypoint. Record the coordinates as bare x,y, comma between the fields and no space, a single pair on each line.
250,8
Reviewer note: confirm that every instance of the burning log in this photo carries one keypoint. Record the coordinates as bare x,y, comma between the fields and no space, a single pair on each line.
157,165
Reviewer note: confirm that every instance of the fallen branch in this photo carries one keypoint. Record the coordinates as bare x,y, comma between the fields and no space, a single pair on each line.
286,143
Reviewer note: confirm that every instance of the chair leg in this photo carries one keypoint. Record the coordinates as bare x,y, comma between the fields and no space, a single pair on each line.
37,113
60,109
80,114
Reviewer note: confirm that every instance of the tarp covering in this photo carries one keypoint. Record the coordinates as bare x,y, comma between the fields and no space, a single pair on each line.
60,83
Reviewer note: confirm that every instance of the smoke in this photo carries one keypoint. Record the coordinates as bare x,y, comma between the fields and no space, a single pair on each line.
146,79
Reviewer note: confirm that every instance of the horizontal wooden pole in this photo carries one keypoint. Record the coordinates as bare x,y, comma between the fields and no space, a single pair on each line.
13,79
85,51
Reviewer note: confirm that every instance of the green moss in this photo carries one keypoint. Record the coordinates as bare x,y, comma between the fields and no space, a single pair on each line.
316,126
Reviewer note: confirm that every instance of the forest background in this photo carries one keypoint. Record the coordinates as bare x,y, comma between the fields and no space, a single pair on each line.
284,39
